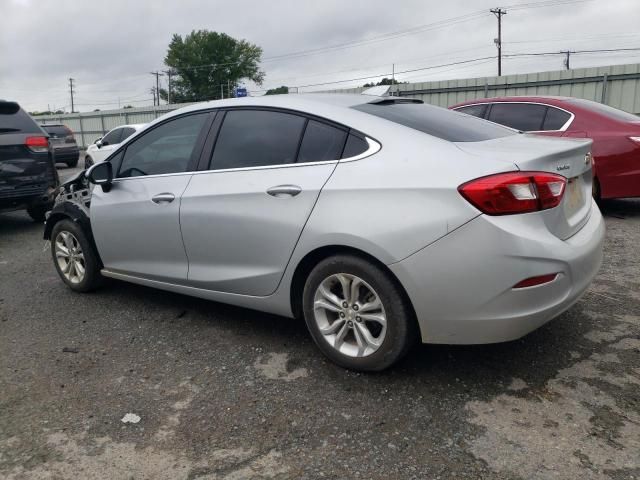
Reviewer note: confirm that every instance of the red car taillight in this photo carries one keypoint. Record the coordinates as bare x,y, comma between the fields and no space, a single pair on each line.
37,144
514,192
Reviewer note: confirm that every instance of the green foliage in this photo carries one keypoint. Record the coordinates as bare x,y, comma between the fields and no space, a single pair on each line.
277,91
203,61
384,81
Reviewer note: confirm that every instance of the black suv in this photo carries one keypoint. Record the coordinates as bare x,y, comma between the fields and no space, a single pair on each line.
63,143
28,176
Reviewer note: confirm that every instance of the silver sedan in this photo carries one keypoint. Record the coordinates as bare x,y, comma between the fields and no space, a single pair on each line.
379,220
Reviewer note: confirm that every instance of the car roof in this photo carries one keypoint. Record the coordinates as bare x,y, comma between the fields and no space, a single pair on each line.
552,99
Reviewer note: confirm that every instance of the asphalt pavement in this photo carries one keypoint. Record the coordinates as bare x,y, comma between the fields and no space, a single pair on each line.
218,392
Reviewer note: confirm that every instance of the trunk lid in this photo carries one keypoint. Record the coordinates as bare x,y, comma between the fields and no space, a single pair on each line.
570,158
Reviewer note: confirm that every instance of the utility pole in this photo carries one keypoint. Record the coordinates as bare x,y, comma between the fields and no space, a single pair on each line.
169,74
393,77
158,75
566,60
499,12
71,80
222,91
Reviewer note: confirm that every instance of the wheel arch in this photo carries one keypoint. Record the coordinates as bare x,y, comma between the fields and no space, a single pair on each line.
311,259
71,211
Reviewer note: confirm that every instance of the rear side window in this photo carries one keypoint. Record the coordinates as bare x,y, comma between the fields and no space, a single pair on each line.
436,121
57,130
113,137
257,138
555,119
475,110
12,121
521,116
321,142
355,146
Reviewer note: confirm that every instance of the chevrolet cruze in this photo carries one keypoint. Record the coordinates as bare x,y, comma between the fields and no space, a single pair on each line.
379,220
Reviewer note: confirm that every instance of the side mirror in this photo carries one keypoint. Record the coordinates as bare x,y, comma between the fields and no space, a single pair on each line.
99,143
101,174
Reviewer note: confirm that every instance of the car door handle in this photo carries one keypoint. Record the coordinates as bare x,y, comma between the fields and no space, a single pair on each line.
163,198
284,191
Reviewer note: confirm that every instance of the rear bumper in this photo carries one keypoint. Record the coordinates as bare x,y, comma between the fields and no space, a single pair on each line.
461,286
63,155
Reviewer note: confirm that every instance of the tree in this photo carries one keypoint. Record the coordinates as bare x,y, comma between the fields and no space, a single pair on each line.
203,62
384,81
277,91
128,106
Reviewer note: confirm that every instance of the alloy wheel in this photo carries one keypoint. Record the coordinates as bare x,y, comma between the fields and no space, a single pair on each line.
350,315
70,257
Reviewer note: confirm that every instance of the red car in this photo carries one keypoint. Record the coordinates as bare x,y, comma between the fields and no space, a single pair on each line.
615,133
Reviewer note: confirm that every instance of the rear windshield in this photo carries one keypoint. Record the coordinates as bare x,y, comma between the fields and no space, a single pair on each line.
57,130
437,121
17,122
606,110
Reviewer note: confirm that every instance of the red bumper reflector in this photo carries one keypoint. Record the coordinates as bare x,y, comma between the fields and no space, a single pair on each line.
534,281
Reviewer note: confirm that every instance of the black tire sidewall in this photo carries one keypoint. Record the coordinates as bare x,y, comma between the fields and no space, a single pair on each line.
92,275
399,335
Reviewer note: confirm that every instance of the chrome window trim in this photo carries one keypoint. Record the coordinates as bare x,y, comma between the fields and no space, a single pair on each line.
374,147
561,129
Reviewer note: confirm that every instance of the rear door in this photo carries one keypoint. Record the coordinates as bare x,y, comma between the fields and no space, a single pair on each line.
25,171
241,218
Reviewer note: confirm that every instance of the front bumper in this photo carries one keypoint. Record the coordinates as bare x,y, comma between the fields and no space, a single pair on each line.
461,286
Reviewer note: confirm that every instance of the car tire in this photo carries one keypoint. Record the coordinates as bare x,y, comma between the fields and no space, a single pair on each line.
38,212
88,162
72,163
70,236
597,192
384,345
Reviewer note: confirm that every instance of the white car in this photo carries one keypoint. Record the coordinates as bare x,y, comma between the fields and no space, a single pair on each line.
104,146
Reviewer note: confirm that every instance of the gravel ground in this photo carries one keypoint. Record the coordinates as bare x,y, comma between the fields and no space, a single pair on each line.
228,393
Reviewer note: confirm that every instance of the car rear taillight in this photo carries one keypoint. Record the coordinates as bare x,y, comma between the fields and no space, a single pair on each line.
37,144
514,192
535,281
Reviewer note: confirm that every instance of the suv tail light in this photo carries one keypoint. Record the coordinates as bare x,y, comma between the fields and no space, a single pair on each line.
37,144
514,192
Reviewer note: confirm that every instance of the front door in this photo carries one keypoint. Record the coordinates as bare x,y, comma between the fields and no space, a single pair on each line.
136,224
241,220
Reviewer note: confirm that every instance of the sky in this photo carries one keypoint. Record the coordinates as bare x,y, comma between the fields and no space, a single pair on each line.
109,47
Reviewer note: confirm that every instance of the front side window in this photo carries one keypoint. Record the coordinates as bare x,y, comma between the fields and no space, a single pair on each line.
521,116
257,138
113,137
321,142
165,149
475,110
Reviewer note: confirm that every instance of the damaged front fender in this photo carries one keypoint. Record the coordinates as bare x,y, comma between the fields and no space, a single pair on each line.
72,202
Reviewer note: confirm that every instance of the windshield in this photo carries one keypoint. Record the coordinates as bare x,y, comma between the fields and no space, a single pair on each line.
439,122
56,130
